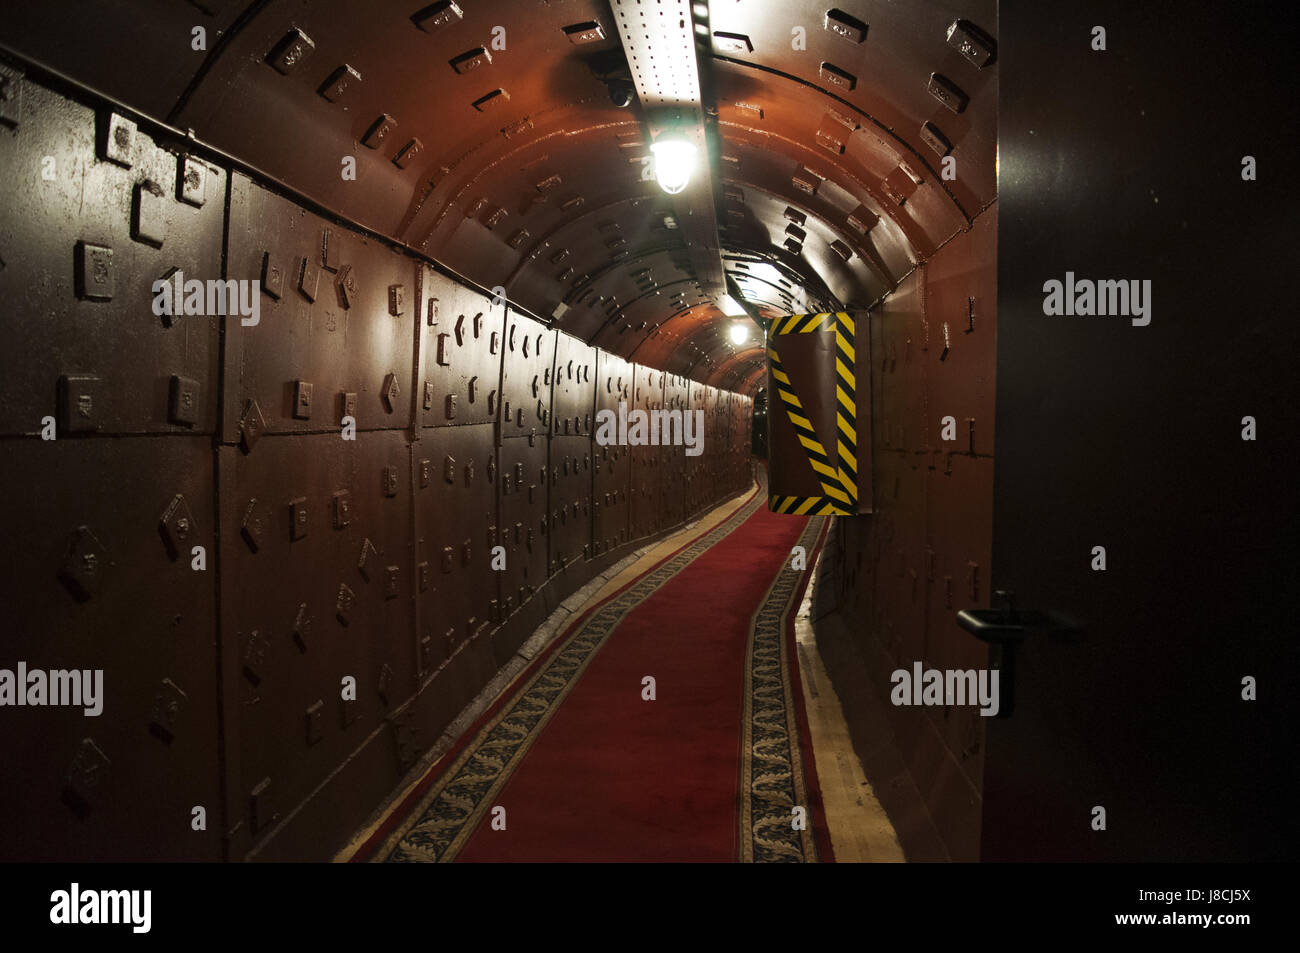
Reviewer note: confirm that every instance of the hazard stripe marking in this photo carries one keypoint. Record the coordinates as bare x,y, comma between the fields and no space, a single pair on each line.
838,476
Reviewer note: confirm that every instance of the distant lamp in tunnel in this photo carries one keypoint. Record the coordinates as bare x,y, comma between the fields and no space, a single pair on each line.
739,333
674,162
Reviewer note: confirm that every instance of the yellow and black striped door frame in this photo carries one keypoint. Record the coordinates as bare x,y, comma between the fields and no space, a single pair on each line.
838,476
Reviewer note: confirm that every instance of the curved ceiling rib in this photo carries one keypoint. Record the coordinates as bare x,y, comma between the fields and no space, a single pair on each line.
848,144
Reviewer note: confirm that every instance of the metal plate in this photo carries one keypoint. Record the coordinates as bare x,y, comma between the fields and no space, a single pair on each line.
570,501
345,341
611,463
359,609
648,481
460,354
574,389
524,523
455,475
91,583
76,283
528,349
325,541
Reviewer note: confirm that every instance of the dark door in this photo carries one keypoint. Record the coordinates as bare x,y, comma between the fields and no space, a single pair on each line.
1127,164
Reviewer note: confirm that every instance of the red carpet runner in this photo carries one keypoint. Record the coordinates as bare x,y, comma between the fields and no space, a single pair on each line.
586,769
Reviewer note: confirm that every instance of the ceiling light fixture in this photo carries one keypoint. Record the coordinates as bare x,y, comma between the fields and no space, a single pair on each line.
674,161
739,332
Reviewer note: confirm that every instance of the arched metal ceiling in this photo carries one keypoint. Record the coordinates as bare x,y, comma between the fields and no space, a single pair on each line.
485,136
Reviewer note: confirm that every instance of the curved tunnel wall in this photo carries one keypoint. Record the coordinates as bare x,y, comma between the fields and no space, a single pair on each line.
206,530
902,574
488,155
484,136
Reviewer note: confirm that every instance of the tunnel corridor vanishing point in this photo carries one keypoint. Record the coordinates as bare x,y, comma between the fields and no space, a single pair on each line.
501,431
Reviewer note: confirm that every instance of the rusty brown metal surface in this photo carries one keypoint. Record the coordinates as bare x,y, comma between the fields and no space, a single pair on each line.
96,578
575,388
327,299
611,465
525,522
1149,705
317,587
460,256
924,553
527,378
570,501
95,233
461,333
277,537
647,462
487,137
454,484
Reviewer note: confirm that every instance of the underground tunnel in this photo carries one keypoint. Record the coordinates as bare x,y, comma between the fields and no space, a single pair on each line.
620,431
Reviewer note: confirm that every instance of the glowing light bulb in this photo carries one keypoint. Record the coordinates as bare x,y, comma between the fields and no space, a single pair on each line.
739,333
674,161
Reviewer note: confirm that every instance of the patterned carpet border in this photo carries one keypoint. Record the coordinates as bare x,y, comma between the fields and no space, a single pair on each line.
452,808
772,780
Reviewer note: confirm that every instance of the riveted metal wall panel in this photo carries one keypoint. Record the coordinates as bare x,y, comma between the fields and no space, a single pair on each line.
741,461
454,483
615,382
324,539
954,575
575,386
722,476
611,461
910,421
461,332
648,463
700,481
84,236
317,576
672,449
327,344
960,360
571,445
716,474
570,502
522,173
737,466
525,523
527,374
649,389
898,536
100,574
924,553
611,496
445,693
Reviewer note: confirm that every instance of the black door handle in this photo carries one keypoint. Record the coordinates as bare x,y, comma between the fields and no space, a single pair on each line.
1004,628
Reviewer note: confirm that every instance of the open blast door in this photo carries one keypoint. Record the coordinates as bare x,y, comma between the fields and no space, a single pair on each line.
818,464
